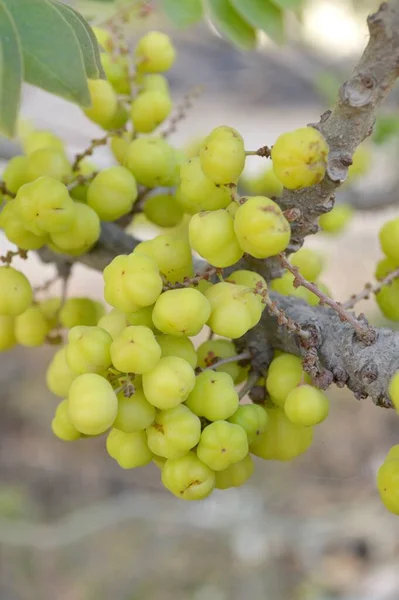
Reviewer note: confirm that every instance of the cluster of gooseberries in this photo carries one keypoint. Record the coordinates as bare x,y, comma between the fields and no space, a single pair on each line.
133,373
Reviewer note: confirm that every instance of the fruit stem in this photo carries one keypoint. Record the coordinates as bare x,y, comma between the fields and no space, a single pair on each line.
264,151
369,289
182,109
252,380
364,332
229,359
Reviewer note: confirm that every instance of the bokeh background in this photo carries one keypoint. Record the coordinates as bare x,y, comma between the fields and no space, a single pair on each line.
73,525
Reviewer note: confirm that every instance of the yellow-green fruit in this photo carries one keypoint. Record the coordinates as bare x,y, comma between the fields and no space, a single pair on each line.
197,192
393,390
41,138
236,474
181,312
15,292
114,322
163,210
361,162
48,162
222,444
59,376
116,68
7,332
284,374
92,404
389,237
261,228
135,350
388,484
135,413
151,160
119,119
252,418
178,346
31,327
306,405
62,426
79,192
284,285
15,173
79,311
154,53
104,38
159,461
211,234
300,158
388,300
174,432
104,102
188,477
119,145
234,309
172,253
16,231
222,155
112,193
130,450
50,308
337,219
384,267
308,262
88,350
152,82
249,279
82,235
212,351
149,110
282,439
262,184
169,382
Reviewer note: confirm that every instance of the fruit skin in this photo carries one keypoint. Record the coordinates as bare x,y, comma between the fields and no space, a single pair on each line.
261,228
282,439
150,109
284,374
92,404
389,236
222,155
104,102
181,312
188,477
169,382
234,309
116,68
384,267
132,282
337,219
300,158
308,262
62,426
393,390
178,346
135,413
14,174
7,333
88,350
113,322
79,311
151,160
250,279
211,234
154,53
135,350
306,405
172,253
236,474
83,233
388,484
59,376
213,396
41,138
50,163
197,192
163,210
252,418
31,327
130,450
262,184
112,193
387,300
222,444
211,351
16,231
174,432
15,292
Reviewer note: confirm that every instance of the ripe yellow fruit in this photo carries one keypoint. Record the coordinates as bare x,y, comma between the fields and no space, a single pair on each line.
337,219
104,102
154,53
300,158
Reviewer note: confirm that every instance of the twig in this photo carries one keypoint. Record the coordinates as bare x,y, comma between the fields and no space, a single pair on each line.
46,284
206,275
181,111
364,332
263,151
225,361
4,190
369,289
7,258
249,384
81,180
95,144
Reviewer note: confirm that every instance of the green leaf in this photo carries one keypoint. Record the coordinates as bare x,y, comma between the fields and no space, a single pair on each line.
227,20
87,40
52,57
183,13
10,73
287,4
263,15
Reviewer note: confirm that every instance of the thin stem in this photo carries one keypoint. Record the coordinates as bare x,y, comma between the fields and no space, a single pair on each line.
363,331
4,190
225,361
81,180
249,384
182,109
369,289
7,258
206,275
264,151
95,144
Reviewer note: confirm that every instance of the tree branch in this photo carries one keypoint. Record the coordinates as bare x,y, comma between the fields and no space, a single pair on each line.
351,120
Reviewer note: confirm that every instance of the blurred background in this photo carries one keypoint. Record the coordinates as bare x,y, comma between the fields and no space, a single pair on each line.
73,525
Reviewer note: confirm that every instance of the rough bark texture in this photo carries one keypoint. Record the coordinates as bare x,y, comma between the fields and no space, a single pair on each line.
351,120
